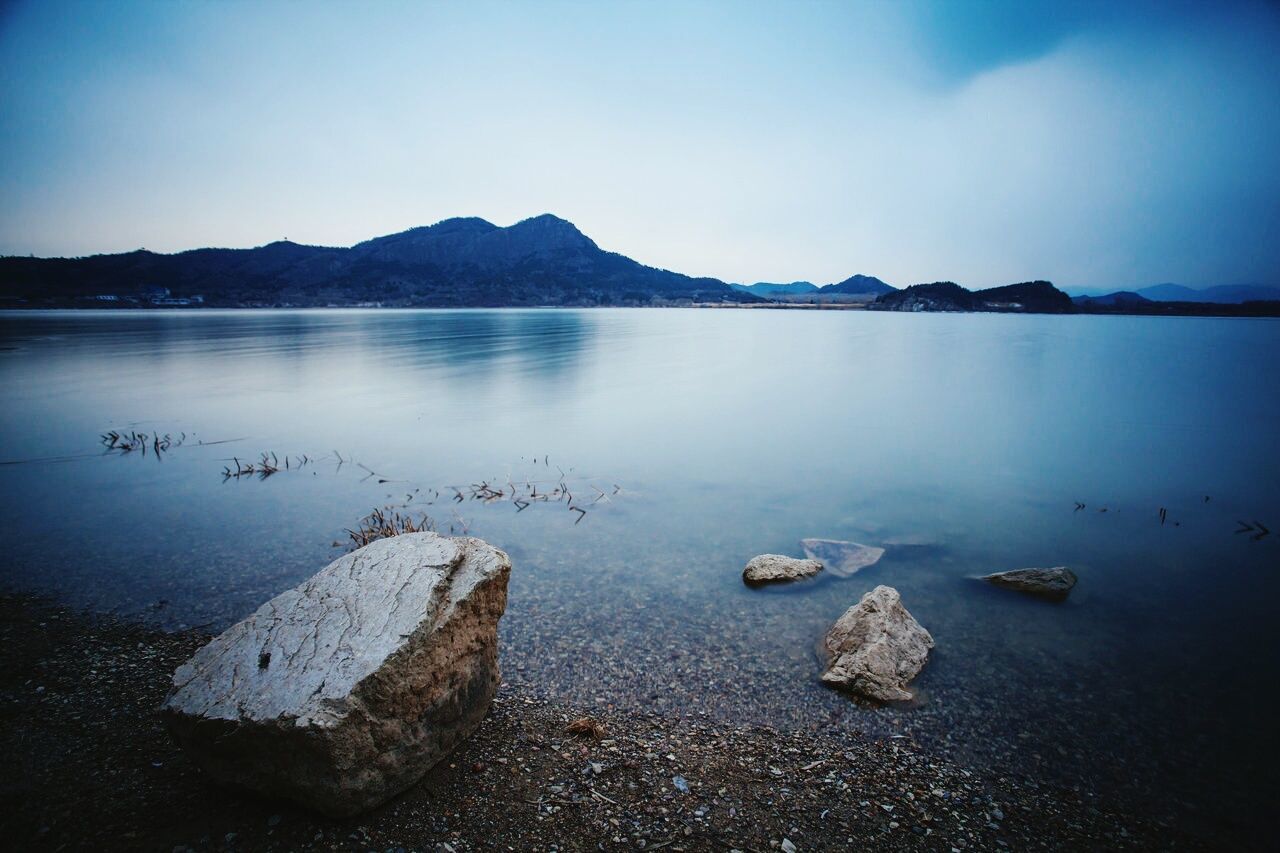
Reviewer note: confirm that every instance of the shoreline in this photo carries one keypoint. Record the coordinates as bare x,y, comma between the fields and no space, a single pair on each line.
94,768
1218,310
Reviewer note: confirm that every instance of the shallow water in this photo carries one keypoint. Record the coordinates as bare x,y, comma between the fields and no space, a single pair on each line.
714,436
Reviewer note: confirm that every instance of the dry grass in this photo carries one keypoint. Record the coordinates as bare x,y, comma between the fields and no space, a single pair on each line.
586,727
266,466
140,441
381,524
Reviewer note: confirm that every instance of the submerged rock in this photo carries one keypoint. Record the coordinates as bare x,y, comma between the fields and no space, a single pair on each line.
1055,583
776,568
346,689
843,559
876,647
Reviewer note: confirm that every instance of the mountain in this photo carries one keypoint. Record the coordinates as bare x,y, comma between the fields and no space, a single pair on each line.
1120,297
859,284
1037,297
805,291
935,296
458,262
764,288
1031,297
1223,294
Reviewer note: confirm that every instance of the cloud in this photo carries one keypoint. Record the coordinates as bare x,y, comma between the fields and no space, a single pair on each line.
748,142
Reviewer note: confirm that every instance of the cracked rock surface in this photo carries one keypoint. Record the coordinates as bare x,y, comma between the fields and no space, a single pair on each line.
343,691
876,647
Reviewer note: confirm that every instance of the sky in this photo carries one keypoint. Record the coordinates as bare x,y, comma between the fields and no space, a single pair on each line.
1092,144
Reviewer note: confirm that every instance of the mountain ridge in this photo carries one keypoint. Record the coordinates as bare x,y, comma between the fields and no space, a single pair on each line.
1220,294
858,285
1038,297
456,262
543,260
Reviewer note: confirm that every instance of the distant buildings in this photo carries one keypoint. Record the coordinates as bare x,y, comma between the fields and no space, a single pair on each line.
158,296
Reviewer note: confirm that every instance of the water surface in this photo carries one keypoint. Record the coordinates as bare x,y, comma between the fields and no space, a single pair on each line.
695,440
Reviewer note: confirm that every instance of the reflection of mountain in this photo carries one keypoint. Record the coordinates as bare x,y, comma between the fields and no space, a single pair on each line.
468,344
458,262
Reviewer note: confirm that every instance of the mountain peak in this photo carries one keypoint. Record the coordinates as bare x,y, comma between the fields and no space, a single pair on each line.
463,223
548,232
547,219
859,284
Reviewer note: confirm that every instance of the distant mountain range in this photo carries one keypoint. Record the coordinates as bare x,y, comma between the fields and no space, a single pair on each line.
458,262
1041,297
1222,294
765,288
543,261
1119,298
858,285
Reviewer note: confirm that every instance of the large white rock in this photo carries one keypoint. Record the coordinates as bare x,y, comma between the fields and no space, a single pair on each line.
345,690
876,647
1055,583
843,559
776,568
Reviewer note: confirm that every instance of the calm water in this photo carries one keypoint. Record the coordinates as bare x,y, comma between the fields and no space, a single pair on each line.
714,436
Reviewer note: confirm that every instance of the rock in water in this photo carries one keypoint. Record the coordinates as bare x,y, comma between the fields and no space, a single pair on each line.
876,647
345,690
1055,583
775,568
842,559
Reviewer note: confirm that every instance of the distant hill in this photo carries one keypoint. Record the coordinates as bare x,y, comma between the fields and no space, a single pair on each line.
859,284
1032,297
1223,294
856,289
458,262
764,288
542,261
1120,297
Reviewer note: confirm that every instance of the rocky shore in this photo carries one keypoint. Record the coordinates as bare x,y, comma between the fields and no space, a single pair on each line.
91,766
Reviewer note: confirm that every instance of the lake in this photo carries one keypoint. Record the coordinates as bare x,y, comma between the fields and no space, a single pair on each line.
692,440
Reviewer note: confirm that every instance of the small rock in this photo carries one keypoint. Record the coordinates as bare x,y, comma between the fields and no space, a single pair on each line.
787,846
776,568
876,647
682,785
1055,583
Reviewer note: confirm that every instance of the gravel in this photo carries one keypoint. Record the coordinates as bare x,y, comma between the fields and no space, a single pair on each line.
90,766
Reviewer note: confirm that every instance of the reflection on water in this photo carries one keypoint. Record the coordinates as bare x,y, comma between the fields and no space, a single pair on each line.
730,433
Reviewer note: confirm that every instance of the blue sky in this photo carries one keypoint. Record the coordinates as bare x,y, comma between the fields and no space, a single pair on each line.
1094,144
